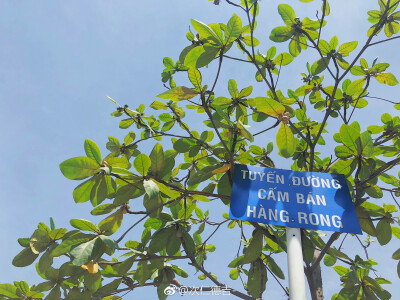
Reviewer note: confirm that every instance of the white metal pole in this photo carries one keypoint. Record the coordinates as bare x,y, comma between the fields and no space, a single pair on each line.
297,284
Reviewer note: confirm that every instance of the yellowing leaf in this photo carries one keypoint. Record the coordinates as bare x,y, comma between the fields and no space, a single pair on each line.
267,106
178,93
286,141
223,169
387,78
91,267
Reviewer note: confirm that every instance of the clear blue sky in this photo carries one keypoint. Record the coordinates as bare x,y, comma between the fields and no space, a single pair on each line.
60,59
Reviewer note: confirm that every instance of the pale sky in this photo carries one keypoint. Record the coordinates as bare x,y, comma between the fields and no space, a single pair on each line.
60,59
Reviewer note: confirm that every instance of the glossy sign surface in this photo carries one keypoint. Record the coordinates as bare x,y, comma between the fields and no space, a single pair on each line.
311,200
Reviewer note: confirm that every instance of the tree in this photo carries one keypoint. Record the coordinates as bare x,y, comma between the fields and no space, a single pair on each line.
199,165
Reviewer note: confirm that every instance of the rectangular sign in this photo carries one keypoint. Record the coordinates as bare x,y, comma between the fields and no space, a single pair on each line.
311,200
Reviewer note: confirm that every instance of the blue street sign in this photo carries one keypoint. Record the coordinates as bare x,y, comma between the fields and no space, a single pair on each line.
296,199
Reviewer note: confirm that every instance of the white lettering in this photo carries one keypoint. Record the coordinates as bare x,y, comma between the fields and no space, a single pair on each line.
302,216
300,198
260,195
315,182
280,178
244,172
303,181
325,183
270,177
251,211
261,213
271,214
295,180
284,216
283,197
316,222
310,199
271,195
252,175
261,175
325,220
337,222
336,184
321,200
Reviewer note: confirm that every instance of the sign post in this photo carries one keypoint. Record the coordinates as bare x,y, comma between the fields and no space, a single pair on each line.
297,284
294,199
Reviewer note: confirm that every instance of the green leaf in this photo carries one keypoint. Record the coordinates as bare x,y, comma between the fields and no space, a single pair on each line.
234,29
182,145
349,137
357,71
84,225
319,66
253,251
178,93
355,87
142,164
173,243
346,48
398,269
295,45
384,232
245,92
159,240
111,224
283,59
365,146
329,260
366,223
86,252
232,87
158,105
281,34
334,42
234,274
345,167
8,290
92,151
126,123
195,78
92,281
206,32
257,279
386,78
24,258
374,191
189,243
267,106
179,271
343,152
82,192
285,141
118,162
236,262
168,63
67,244
57,234
341,270
79,168
24,242
200,56
396,255
126,192
275,268
157,160
287,13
